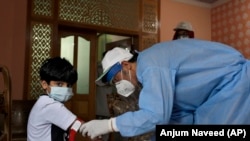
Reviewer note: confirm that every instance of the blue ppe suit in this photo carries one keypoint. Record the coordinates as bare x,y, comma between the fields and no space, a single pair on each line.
189,81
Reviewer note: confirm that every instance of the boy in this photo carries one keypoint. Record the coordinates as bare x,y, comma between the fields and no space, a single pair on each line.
49,119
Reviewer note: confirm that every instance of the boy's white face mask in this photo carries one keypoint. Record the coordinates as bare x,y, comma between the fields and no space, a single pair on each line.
61,94
125,87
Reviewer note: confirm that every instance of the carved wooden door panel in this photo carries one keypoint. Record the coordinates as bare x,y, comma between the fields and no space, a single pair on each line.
80,49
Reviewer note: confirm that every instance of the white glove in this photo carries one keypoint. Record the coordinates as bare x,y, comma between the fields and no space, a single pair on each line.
95,128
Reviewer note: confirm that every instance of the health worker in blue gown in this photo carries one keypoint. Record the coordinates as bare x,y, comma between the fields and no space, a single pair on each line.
185,81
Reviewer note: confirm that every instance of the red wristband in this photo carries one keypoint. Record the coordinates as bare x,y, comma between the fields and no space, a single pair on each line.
74,128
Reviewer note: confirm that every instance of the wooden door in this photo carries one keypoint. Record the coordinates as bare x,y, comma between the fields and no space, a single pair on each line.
79,47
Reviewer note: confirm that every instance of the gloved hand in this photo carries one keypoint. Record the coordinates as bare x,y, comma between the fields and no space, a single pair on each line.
95,128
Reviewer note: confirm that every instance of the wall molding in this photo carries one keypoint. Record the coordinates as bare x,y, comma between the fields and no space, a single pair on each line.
202,4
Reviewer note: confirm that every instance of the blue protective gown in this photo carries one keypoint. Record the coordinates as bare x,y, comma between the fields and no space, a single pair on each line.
189,81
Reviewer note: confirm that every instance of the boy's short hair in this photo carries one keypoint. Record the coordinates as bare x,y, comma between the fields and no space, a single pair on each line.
58,69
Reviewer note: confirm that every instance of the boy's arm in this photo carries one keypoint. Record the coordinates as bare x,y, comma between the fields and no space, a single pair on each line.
74,128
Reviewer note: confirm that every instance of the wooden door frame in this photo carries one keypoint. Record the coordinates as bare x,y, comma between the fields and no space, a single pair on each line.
92,37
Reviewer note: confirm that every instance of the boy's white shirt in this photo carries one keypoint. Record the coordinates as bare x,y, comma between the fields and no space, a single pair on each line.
44,113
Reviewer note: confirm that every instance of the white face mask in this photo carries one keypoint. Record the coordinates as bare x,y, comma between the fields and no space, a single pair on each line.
125,87
182,36
61,94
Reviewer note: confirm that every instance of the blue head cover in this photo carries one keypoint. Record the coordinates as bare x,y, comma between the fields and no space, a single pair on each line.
113,71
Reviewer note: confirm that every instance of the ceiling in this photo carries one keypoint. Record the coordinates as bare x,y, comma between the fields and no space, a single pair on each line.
204,3
208,1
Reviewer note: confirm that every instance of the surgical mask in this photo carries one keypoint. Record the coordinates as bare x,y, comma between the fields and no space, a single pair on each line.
182,36
61,94
125,87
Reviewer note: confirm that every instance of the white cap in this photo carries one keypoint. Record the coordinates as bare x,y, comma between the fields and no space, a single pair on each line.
184,25
112,57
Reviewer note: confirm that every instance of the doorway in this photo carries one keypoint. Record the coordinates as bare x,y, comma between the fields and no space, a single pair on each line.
84,49
79,47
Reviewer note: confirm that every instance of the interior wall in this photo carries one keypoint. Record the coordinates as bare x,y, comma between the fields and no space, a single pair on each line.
12,39
173,12
231,25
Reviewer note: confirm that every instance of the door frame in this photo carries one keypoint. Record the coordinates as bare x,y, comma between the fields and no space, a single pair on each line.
90,98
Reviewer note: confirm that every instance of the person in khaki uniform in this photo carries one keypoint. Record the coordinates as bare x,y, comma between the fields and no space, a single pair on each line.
117,105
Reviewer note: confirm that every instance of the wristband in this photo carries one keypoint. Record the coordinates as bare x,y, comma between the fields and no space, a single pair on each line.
74,128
